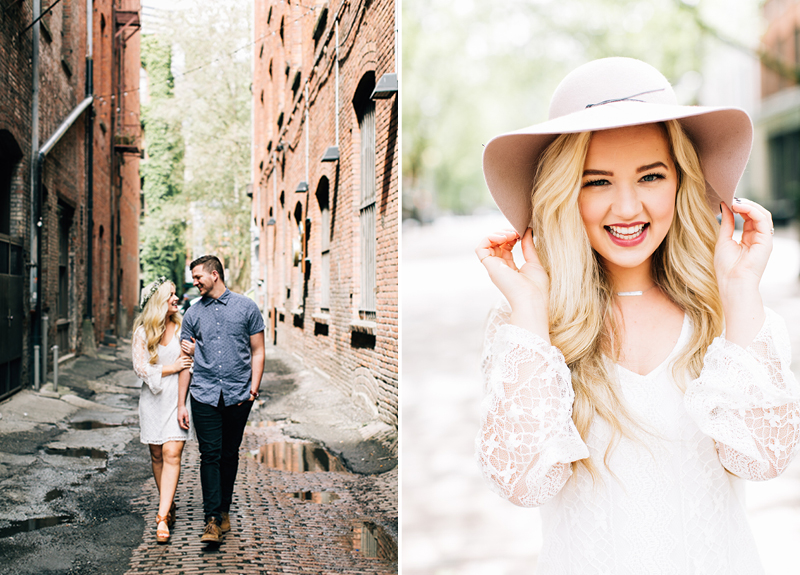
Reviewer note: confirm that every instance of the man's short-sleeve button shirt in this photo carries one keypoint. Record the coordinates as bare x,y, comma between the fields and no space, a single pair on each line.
222,328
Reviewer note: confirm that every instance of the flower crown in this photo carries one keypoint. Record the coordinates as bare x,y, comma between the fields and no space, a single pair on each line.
149,291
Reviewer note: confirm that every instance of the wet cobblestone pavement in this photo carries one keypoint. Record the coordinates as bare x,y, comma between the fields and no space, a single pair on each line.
288,515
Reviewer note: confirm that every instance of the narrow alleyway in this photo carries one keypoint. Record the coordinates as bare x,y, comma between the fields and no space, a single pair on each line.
77,496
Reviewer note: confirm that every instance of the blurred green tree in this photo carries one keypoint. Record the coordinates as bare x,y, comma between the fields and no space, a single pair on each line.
162,249
214,96
198,134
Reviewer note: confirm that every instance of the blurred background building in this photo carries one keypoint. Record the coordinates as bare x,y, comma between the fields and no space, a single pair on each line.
778,119
325,191
69,181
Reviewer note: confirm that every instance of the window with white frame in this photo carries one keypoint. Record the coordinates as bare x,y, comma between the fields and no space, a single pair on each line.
325,245
365,108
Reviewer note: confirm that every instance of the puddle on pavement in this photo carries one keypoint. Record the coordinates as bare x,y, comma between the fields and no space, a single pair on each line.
78,452
53,494
264,423
298,457
32,524
89,424
316,496
372,541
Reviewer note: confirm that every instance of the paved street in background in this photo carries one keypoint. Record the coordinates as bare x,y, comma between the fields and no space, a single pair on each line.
452,523
316,491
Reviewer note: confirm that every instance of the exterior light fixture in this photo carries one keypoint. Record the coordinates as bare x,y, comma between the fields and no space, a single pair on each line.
385,88
271,222
331,154
302,187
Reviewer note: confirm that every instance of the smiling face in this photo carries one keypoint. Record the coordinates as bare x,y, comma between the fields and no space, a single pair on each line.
203,280
627,198
172,301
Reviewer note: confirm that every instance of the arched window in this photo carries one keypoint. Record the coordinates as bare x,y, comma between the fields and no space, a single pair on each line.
365,111
325,244
10,155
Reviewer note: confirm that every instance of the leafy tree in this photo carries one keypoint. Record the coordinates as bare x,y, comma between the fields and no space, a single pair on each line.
163,249
213,95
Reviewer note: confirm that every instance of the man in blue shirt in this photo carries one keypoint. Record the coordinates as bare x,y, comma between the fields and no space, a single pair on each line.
228,331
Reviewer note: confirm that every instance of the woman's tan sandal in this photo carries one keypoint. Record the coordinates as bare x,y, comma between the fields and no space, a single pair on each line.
162,535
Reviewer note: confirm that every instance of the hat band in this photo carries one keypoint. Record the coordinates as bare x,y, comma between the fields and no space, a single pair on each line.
631,98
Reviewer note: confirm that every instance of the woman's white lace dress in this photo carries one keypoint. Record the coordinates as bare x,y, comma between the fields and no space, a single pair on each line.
676,503
158,403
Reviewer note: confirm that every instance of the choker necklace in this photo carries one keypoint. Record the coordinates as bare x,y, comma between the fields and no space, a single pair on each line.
631,293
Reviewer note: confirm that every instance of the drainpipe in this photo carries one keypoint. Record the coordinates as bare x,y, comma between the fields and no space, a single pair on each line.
336,67
89,312
34,303
38,165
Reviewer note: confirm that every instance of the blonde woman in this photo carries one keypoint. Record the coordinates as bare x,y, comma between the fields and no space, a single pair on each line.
633,374
157,360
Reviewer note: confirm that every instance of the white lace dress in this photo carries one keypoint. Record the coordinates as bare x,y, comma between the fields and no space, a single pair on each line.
158,403
676,504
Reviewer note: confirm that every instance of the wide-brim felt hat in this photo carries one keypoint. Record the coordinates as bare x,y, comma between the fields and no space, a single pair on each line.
614,93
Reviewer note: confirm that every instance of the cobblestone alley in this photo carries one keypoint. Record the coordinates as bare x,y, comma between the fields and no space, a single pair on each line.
316,490
323,520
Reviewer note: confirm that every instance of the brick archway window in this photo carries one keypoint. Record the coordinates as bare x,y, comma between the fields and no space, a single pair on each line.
365,111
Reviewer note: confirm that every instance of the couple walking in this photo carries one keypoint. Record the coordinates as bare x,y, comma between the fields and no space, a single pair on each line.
224,333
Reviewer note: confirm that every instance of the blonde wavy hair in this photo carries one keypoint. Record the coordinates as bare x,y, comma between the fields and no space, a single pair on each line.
153,318
582,323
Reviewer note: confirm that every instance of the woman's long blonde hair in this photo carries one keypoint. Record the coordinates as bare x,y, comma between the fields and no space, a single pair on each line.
582,323
153,318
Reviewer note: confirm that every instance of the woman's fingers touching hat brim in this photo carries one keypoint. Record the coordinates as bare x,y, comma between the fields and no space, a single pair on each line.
503,240
756,213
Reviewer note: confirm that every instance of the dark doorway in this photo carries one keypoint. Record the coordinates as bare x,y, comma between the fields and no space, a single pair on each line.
11,270
784,151
64,305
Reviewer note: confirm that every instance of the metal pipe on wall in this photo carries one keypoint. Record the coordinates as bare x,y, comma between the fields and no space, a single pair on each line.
336,67
34,304
89,311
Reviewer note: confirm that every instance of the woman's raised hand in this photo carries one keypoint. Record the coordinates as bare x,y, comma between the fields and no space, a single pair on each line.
526,288
739,267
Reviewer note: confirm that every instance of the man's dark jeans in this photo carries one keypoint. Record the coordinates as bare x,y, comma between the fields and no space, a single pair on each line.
219,432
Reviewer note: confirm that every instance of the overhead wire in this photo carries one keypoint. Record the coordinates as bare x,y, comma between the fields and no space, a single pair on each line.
311,9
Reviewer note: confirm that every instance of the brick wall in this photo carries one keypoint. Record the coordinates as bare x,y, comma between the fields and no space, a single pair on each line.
294,113
62,266
116,174
781,44
62,68
15,118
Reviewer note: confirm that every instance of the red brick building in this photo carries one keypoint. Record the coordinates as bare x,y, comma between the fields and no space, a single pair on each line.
53,184
325,190
777,145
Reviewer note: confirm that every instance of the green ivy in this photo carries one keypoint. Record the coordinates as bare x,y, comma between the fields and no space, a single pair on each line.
163,228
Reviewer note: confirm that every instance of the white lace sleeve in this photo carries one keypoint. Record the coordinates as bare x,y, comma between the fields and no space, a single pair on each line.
527,438
749,402
150,374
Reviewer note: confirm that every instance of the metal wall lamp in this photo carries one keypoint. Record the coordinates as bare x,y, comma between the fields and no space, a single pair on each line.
331,154
385,88
302,187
